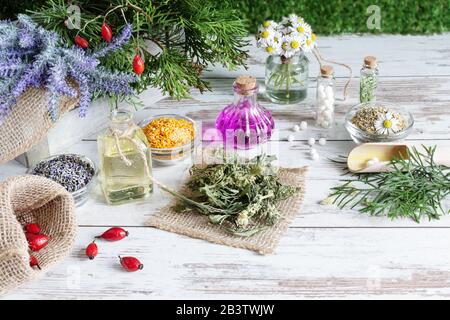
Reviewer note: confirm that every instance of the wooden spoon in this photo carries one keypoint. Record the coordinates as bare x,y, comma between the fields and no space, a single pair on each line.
358,159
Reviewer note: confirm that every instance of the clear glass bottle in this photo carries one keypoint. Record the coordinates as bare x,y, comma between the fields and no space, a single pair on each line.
124,172
369,80
325,97
286,79
245,123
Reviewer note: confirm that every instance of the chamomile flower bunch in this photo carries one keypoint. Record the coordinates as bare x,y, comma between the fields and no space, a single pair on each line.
286,38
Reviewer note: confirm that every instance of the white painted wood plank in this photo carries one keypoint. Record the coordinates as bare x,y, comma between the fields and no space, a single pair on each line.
398,55
310,263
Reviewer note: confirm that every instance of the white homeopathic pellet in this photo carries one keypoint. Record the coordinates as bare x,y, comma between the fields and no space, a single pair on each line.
311,141
322,141
315,156
296,128
312,151
290,138
303,125
373,162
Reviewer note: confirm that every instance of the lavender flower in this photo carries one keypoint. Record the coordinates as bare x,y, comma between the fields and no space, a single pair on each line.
113,82
85,91
28,27
33,56
117,42
77,56
57,79
53,103
10,67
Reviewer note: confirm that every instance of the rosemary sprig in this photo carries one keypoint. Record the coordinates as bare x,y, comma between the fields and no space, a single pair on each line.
414,187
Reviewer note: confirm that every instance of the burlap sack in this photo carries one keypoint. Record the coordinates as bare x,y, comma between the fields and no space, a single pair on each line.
33,199
198,226
28,122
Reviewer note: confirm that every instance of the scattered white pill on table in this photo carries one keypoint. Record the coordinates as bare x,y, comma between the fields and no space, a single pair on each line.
312,151
303,125
322,141
311,141
296,128
290,138
315,156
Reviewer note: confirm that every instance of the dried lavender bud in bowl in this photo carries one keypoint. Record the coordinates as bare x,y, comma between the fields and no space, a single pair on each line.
73,172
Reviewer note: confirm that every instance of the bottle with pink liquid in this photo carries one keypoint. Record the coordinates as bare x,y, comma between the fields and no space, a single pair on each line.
245,123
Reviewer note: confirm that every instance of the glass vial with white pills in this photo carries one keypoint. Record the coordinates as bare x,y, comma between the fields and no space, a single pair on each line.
325,97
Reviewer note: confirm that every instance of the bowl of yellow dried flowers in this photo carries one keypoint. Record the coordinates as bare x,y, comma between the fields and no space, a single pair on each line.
378,122
172,138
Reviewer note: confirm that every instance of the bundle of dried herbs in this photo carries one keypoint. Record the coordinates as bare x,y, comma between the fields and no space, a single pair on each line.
240,197
415,187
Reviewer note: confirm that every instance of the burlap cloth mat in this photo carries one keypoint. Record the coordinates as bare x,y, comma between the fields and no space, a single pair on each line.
28,122
198,226
33,199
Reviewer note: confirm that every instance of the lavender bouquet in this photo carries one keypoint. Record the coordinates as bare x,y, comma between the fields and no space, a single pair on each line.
33,56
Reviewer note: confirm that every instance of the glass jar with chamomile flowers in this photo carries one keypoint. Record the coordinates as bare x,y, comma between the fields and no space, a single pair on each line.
286,79
286,42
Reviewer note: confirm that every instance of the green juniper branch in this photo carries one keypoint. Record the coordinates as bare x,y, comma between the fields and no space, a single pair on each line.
191,35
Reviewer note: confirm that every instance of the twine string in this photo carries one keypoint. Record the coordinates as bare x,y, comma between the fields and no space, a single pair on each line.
128,135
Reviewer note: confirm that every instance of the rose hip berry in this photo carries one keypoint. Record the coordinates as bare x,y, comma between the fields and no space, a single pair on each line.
81,42
138,65
92,250
34,262
131,264
33,228
106,32
114,234
36,241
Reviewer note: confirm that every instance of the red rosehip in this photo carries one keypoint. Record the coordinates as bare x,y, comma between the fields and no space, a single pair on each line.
34,262
81,42
138,65
106,32
33,228
114,234
92,250
36,241
131,264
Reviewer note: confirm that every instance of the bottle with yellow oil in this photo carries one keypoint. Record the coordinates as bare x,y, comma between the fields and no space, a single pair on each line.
125,160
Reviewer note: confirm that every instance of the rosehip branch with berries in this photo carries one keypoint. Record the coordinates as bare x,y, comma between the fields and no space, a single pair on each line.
172,42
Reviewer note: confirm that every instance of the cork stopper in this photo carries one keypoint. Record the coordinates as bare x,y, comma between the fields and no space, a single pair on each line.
371,62
326,71
245,83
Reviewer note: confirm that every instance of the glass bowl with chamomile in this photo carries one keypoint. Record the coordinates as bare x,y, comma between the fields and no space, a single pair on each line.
377,121
172,137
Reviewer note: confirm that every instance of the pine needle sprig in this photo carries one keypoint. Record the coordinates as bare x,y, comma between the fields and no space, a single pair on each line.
415,187
178,39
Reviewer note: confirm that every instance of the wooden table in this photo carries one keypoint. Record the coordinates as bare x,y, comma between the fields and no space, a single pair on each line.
326,253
